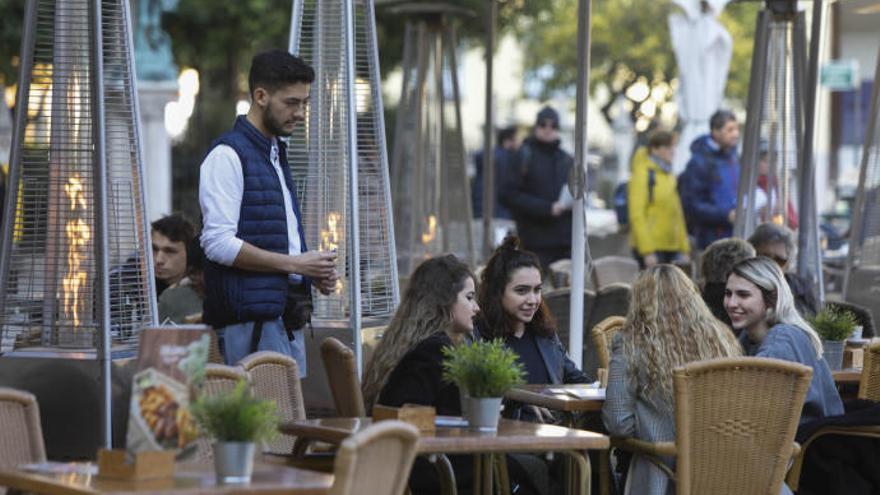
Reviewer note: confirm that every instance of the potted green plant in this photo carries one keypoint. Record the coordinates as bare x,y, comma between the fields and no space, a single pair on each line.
833,325
483,371
236,420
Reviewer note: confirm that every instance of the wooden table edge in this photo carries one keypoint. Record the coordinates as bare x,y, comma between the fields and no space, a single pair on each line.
34,482
539,399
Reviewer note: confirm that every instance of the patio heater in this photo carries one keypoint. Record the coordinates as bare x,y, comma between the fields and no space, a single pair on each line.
76,273
432,201
862,275
778,140
340,165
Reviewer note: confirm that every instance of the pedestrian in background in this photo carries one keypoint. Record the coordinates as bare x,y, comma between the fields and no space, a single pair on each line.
709,184
657,229
536,192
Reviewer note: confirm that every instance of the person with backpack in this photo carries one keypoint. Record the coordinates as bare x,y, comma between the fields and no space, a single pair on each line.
535,188
657,228
708,186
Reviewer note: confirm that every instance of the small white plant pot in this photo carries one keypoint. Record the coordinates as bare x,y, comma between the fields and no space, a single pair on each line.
234,462
483,413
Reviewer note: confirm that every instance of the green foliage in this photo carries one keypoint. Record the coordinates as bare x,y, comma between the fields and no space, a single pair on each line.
630,44
236,416
483,369
833,323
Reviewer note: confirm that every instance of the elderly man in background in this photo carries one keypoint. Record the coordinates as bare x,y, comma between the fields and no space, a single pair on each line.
777,243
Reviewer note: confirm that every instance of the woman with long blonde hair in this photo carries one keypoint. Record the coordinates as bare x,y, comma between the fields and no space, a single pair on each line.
439,301
761,306
668,325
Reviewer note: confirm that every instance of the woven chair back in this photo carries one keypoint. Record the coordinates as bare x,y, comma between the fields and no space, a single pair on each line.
21,436
869,385
376,460
219,379
735,421
214,354
275,377
603,334
614,269
341,368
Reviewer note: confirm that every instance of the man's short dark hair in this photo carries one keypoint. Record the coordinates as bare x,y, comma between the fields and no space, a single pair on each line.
660,138
175,227
720,118
506,133
273,69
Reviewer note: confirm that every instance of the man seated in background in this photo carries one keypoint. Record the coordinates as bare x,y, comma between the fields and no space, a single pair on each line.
177,263
777,243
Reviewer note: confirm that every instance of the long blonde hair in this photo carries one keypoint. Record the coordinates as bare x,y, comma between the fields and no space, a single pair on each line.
768,277
669,325
424,310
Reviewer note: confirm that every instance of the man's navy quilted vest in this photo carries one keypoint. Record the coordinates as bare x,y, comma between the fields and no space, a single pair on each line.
233,295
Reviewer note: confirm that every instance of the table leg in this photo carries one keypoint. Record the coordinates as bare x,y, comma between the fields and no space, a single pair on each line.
486,465
581,481
444,470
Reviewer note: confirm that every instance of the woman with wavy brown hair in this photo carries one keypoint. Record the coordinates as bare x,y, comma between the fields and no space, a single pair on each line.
437,304
512,309
668,325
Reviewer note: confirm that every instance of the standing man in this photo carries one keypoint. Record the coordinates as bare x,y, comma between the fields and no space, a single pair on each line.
709,183
505,147
532,190
258,272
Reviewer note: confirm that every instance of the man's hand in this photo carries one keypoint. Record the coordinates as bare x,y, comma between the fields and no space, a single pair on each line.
317,265
559,208
326,285
731,216
650,260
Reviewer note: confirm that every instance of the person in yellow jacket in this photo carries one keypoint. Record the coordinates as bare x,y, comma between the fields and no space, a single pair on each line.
657,227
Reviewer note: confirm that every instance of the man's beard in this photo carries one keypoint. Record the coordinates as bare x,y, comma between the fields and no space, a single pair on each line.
273,125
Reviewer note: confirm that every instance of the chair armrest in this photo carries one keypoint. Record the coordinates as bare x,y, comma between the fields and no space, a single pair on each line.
793,477
658,449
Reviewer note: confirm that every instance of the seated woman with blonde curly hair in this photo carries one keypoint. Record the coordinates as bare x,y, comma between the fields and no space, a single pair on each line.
668,325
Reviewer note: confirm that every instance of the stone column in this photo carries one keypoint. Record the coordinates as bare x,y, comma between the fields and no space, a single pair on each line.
153,96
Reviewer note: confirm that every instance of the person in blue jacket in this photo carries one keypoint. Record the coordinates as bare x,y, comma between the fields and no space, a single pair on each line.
708,186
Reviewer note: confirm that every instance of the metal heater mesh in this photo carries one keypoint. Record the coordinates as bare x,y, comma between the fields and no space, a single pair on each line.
432,204
49,293
773,160
318,153
866,247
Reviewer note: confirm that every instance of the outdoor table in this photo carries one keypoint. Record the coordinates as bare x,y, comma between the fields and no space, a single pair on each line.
847,376
568,399
511,437
191,478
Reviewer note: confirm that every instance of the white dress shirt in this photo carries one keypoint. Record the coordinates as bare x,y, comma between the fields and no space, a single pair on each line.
221,187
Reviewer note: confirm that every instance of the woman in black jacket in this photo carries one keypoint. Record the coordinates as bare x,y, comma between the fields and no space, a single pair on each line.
513,310
437,311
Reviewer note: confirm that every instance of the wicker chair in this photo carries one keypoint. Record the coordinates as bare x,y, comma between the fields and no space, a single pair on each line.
214,354
341,368
219,379
869,385
376,460
603,334
735,422
21,436
559,303
611,300
275,376
614,269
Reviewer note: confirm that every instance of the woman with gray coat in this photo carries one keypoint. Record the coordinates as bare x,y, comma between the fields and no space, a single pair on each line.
668,325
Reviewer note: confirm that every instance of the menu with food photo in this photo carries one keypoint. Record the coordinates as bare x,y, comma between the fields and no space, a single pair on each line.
171,362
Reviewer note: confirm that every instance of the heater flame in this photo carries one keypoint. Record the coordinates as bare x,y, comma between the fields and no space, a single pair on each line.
78,236
431,233
330,239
